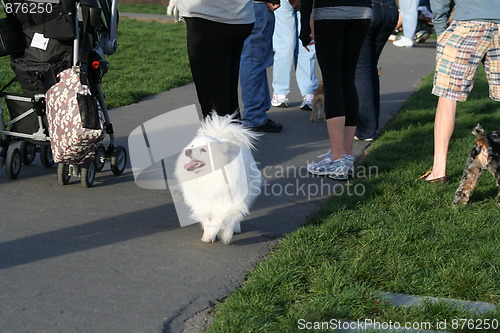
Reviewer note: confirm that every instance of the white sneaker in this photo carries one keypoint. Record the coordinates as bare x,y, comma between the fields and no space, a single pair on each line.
307,102
392,37
403,42
280,101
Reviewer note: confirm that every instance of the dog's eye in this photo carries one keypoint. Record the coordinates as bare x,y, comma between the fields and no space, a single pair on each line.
203,150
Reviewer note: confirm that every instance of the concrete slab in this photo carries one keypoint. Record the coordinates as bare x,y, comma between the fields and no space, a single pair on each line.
411,300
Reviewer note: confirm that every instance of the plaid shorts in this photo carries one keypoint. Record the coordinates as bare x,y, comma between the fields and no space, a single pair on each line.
459,51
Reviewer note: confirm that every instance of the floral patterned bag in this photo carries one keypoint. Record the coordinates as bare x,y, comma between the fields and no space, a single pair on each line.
74,117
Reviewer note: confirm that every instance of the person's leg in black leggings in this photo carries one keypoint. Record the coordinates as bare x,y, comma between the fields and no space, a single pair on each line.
214,51
338,43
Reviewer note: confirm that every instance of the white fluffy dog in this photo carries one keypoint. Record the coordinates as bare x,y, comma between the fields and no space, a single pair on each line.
218,176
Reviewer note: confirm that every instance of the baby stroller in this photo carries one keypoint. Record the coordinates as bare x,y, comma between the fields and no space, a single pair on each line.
45,38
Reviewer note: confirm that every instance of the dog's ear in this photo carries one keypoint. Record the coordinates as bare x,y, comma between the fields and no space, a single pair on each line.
478,131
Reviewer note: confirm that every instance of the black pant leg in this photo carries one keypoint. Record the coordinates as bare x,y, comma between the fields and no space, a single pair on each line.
214,51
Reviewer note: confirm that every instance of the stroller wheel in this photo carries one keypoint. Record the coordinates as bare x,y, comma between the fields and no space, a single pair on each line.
46,156
100,158
63,175
118,160
13,162
28,152
87,172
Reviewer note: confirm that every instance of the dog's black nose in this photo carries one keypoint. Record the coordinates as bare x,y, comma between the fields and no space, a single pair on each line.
188,152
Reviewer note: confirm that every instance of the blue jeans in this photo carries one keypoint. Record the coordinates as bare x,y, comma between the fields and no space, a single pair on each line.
256,56
409,14
288,52
385,18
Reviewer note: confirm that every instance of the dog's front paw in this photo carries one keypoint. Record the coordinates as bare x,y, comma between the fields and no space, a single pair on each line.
460,199
209,235
237,228
207,239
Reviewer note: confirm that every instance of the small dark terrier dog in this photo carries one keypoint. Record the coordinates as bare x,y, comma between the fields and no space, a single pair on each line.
484,156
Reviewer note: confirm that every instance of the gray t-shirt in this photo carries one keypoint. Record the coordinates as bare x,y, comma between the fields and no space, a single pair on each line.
342,13
465,10
223,11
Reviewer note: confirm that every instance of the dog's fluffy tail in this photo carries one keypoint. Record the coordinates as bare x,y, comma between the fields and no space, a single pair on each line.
478,131
225,129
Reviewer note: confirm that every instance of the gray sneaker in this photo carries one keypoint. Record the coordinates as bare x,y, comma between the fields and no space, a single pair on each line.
340,169
320,168
349,160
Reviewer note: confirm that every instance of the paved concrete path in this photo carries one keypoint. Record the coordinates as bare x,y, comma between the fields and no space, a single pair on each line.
113,258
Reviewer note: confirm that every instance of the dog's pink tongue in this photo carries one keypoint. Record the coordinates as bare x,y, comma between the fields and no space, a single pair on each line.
191,165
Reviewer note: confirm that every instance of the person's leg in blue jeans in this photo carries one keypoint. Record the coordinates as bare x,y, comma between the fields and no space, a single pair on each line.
409,15
255,58
305,71
284,48
289,54
385,17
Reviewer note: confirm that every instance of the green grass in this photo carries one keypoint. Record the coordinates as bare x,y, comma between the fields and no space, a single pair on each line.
401,236
143,9
151,58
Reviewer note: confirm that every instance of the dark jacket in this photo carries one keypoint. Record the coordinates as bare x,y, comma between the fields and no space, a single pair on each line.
274,2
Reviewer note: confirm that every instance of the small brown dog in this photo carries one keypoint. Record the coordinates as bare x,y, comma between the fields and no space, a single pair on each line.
318,104
484,156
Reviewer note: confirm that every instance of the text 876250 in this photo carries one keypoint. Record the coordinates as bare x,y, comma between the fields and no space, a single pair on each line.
28,8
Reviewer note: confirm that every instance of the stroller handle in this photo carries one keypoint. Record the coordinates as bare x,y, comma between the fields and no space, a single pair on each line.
109,10
110,40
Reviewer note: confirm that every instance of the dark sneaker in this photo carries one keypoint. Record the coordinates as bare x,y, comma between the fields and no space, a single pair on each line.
421,36
269,126
363,139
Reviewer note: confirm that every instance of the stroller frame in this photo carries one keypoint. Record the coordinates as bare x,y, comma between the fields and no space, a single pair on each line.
17,148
